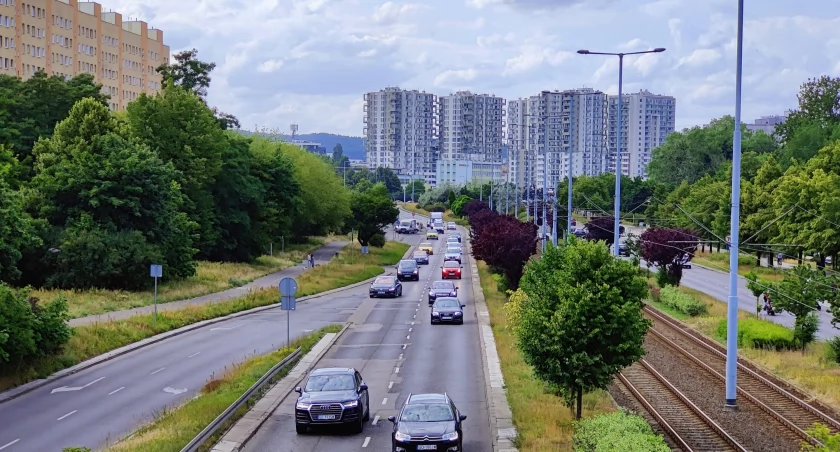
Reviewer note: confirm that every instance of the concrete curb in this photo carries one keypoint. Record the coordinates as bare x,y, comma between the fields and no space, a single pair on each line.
248,425
500,416
14,393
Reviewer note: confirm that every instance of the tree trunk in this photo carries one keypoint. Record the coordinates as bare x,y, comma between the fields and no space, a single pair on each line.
579,403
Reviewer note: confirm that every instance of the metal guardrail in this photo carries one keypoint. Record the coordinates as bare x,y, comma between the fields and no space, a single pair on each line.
217,423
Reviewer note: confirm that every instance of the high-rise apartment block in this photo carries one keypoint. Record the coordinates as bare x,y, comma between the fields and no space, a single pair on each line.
646,121
472,127
767,124
401,132
68,37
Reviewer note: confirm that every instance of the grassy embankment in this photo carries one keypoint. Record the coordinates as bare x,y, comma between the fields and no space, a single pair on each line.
210,277
543,422
447,216
93,340
173,429
720,261
812,371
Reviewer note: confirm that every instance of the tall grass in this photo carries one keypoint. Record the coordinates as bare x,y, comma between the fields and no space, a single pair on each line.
720,261
543,422
351,266
210,277
172,430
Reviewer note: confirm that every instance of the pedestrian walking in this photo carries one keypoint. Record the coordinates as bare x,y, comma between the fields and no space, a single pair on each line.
311,260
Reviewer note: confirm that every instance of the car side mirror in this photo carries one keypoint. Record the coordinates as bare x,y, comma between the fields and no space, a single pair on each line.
463,417
392,419
463,306
298,390
363,387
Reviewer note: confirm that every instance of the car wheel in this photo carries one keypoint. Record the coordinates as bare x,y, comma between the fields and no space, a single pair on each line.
300,429
359,426
367,415
371,296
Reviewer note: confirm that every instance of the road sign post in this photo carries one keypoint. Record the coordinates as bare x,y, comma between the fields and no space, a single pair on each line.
156,271
288,288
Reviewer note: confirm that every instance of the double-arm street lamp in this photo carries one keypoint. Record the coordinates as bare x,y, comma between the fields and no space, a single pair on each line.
618,133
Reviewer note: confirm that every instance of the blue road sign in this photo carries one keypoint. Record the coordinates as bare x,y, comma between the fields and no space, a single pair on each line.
288,302
288,286
156,271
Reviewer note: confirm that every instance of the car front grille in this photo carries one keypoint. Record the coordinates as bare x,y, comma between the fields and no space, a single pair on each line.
426,438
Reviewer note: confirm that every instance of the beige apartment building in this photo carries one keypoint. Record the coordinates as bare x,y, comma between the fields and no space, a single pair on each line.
69,37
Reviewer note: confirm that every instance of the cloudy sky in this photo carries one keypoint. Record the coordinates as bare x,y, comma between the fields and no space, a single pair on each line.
310,61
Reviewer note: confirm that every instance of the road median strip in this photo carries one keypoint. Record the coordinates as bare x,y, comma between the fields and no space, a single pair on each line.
100,342
176,428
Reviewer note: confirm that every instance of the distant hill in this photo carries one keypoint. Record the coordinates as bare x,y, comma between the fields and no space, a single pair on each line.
353,146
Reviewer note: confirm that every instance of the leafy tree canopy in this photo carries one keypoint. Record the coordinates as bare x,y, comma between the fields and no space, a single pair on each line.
372,210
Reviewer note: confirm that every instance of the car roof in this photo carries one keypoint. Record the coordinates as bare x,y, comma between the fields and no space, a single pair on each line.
444,281
333,371
427,398
449,262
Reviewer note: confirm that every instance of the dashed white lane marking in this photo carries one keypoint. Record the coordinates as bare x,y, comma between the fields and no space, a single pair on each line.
401,355
116,391
390,385
9,444
385,400
157,371
67,415
409,330
194,354
408,337
396,370
375,420
367,441
404,346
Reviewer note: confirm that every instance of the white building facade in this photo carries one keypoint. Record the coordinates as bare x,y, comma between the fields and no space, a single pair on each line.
462,172
647,120
401,131
471,127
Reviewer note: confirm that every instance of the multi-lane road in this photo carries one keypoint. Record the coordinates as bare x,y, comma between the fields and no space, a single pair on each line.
102,404
396,349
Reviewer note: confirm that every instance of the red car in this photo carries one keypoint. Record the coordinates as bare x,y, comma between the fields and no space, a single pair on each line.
451,270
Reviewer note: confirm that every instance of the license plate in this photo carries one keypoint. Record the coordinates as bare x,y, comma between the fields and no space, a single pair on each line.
446,318
451,273
326,417
426,447
381,291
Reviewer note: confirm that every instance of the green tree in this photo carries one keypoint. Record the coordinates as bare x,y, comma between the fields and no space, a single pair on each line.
337,153
181,129
388,177
582,321
16,232
757,287
281,199
415,188
119,201
798,294
457,206
450,198
819,104
372,210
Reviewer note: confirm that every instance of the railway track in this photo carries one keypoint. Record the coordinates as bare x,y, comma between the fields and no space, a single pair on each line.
686,424
787,405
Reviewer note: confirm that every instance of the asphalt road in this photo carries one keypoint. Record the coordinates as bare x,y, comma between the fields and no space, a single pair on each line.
398,352
108,401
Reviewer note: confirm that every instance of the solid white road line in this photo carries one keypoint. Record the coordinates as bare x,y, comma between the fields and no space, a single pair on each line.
194,354
157,371
385,400
375,420
9,444
67,415
116,391
367,441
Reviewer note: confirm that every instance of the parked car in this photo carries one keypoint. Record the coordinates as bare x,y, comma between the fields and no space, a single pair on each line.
421,257
442,289
386,286
332,396
408,269
427,420
451,270
427,247
449,310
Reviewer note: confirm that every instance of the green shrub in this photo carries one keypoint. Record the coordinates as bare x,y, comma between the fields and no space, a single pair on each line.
682,301
617,432
377,241
29,329
655,293
434,207
833,349
760,334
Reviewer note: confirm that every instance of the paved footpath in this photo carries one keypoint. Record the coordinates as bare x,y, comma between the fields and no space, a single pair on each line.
322,255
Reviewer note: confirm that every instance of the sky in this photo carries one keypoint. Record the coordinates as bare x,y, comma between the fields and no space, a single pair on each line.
309,62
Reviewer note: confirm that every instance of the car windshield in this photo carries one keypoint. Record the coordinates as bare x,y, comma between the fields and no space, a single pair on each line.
319,383
420,254
435,412
443,284
447,303
384,280
450,264
408,264
456,250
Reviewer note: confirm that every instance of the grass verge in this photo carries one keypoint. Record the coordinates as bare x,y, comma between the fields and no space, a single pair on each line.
811,371
720,261
210,277
351,266
447,216
173,429
92,340
543,422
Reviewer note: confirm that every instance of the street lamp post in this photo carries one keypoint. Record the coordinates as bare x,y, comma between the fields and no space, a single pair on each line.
732,308
545,178
618,134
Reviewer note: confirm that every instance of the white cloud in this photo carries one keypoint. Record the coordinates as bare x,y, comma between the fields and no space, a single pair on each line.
450,77
701,57
674,28
532,57
270,66
390,12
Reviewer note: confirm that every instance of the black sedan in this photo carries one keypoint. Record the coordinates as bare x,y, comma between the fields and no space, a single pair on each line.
386,286
421,257
448,310
332,396
442,289
408,269
428,422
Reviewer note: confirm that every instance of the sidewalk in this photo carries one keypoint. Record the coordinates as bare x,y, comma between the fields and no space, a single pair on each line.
322,255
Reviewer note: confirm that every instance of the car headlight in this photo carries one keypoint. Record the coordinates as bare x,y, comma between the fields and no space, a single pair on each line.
351,404
431,294
303,405
454,293
451,436
400,436
435,313
415,271
458,313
